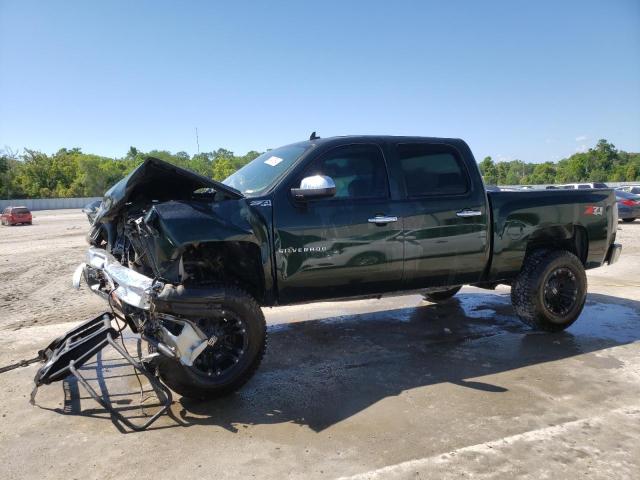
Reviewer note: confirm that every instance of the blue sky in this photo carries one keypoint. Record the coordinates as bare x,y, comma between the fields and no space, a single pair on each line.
530,80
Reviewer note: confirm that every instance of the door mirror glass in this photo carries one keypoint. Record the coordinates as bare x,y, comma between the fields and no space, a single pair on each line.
316,186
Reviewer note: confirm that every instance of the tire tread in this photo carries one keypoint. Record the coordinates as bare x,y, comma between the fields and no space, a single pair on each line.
170,370
526,285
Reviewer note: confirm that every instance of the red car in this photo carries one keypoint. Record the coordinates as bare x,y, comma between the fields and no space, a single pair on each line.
15,215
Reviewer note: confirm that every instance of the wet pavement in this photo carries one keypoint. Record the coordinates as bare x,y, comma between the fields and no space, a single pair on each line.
390,388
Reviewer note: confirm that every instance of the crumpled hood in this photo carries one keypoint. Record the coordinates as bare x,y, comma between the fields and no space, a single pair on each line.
156,179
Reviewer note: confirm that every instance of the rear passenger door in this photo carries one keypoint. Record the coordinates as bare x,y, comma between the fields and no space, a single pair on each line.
445,216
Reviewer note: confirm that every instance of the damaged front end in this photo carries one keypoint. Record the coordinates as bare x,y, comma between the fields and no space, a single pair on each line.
166,244
158,311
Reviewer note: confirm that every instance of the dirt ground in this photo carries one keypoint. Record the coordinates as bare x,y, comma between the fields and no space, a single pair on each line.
390,388
36,264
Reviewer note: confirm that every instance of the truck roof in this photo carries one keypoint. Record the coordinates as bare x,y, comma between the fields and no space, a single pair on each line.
338,140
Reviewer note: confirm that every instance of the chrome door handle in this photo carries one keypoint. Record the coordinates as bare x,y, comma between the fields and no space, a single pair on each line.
467,212
381,220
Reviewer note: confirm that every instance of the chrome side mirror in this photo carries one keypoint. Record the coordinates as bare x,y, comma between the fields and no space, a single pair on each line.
317,186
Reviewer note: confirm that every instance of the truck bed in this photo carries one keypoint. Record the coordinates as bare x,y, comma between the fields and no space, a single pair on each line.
521,220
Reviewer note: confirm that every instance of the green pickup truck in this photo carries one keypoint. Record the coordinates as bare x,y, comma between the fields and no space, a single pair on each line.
188,262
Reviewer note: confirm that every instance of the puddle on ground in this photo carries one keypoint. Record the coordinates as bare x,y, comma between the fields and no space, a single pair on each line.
608,320
493,312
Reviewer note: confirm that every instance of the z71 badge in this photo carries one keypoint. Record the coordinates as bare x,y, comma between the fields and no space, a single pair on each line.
260,203
593,210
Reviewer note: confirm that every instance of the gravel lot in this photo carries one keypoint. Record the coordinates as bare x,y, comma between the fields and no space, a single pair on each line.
391,388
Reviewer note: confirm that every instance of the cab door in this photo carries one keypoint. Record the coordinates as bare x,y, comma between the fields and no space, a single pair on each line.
445,216
346,245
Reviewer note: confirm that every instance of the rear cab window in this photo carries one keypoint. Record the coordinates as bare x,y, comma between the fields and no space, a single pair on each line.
430,169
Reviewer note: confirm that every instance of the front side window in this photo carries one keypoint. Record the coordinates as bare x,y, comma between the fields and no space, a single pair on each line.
431,170
358,171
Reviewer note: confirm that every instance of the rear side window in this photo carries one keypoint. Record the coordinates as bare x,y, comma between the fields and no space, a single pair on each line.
358,171
431,170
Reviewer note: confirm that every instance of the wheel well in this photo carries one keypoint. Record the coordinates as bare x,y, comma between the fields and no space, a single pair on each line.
574,240
237,263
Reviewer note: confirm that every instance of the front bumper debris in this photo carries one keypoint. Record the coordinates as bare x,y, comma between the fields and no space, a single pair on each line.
129,286
65,355
77,346
107,277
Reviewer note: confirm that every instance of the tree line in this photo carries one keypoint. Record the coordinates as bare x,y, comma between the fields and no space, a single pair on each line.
73,173
599,164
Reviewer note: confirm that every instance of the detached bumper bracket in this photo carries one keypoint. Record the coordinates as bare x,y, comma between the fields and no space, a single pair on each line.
65,355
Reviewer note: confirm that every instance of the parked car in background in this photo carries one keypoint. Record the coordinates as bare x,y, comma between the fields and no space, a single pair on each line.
635,189
16,215
583,186
628,206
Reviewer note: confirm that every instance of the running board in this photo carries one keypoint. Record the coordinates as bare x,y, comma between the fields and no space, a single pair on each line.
65,355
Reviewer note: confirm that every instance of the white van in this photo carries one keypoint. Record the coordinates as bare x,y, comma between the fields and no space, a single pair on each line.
581,186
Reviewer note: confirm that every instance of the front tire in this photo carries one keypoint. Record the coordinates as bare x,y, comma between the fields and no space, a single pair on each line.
442,295
219,371
550,291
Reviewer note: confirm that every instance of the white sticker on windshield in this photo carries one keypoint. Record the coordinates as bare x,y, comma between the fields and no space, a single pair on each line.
273,161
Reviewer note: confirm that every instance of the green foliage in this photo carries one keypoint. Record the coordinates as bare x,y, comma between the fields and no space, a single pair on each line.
600,164
542,173
222,168
489,171
72,173
8,167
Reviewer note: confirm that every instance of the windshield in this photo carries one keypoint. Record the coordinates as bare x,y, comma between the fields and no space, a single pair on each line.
260,174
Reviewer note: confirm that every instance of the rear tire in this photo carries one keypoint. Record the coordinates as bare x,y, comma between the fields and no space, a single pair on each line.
443,295
193,382
550,291
628,220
